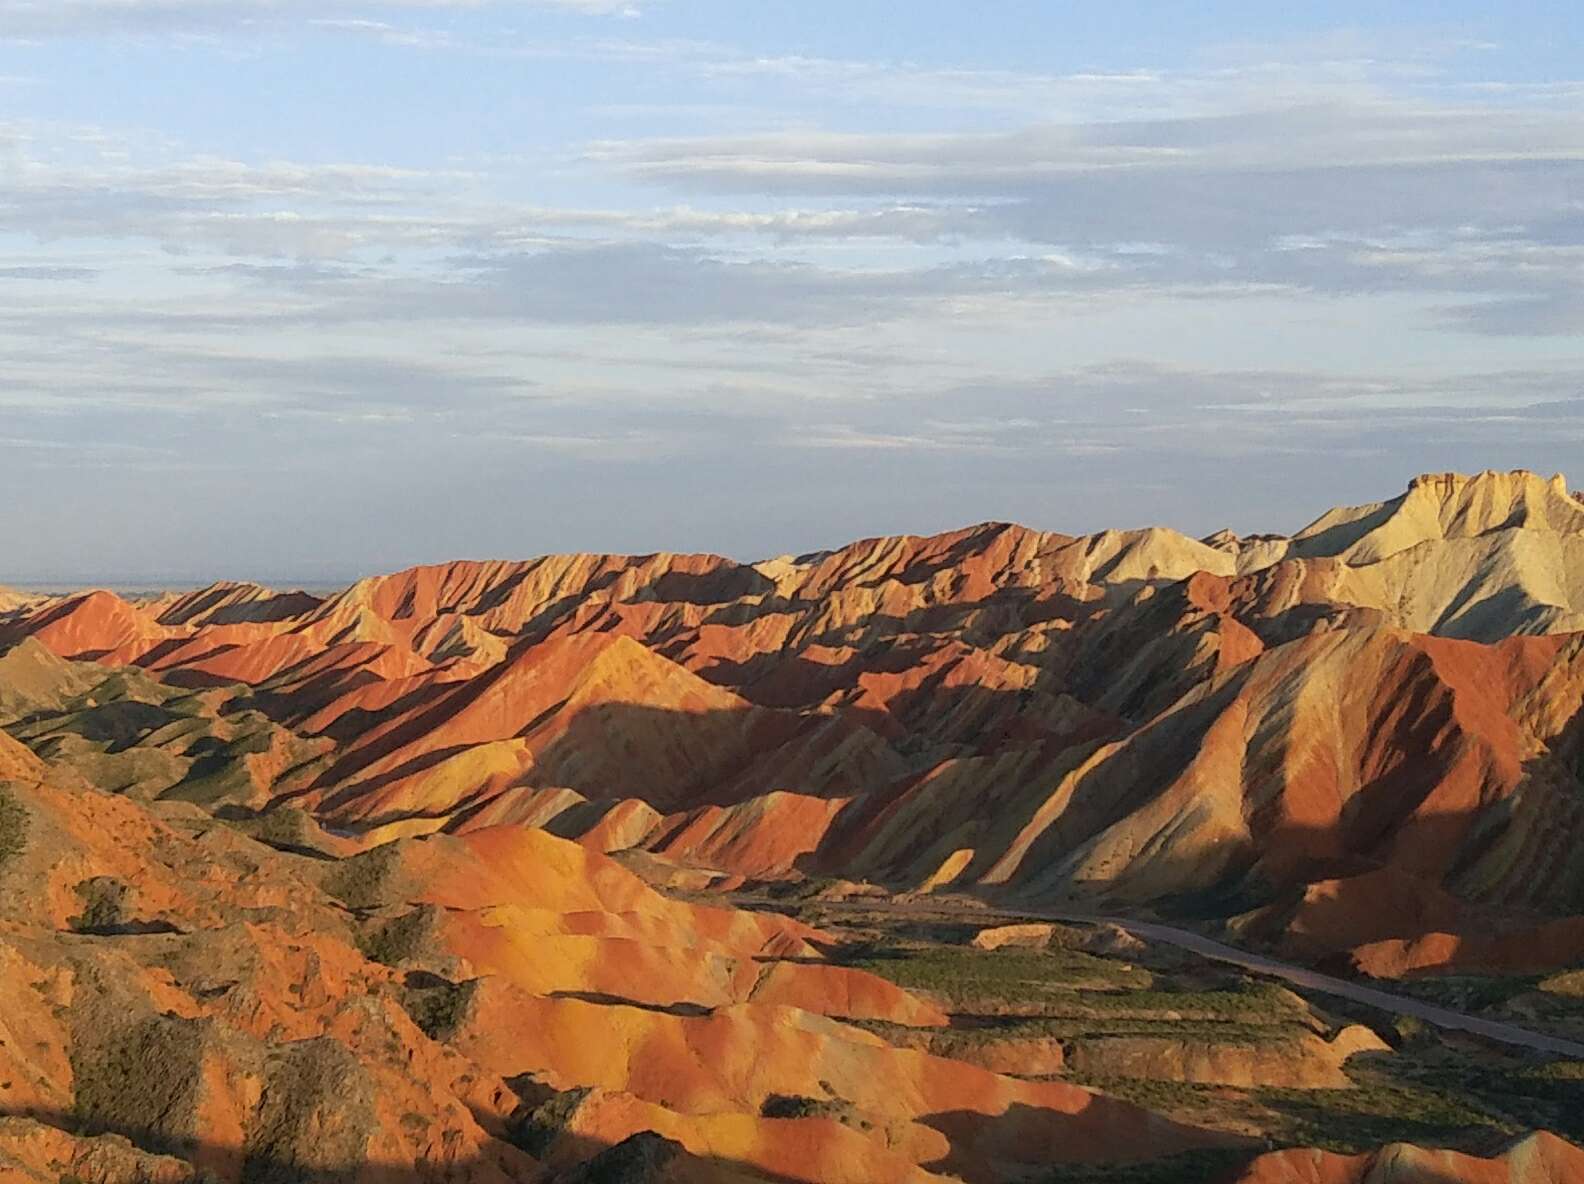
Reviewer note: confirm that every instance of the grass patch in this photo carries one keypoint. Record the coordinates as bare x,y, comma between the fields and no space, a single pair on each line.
1515,1097
1165,1097
1006,975
1355,1120
1208,1166
945,1042
1467,992
1094,996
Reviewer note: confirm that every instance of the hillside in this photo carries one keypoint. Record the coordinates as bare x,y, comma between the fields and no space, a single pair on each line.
398,875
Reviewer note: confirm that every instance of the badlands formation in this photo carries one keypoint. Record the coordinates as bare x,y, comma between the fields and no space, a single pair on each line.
673,868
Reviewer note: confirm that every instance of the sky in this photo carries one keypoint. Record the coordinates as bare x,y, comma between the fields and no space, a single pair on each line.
300,290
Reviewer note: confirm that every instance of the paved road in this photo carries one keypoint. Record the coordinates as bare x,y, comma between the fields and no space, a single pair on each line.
1441,1017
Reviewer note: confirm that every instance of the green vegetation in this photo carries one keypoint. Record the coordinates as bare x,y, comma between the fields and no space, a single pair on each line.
1514,1095
359,881
408,937
438,1007
1209,1166
13,828
1430,1090
142,1077
315,1118
962,974
1077,994
1466,992
949,1042
798,1106
1557,1071
1166,1097
1354,1120
536,1131
104,905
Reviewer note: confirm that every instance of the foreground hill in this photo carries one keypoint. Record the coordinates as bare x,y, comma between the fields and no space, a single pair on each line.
500,1006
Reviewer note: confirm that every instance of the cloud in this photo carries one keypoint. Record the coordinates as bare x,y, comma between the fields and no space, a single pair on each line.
21,19
47,273
1365,193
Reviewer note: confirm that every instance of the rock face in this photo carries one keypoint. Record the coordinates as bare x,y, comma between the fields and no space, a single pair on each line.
1023,937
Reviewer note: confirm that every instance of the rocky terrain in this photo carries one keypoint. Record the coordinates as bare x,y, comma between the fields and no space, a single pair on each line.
676,868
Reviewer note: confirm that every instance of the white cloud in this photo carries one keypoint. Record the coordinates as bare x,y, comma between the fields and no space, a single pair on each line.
20,19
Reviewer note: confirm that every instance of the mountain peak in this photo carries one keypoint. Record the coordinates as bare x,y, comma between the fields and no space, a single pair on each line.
1453,484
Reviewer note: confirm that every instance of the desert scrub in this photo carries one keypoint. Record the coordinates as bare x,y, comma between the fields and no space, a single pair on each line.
315,1118
1006,975
1518,1095
359,881
535,1131
1251,1003
1557,1071
1370,1114
144,1078
799,1106
104,905
13,828
286,828
1211,1165
1466,992
409,937
438,1007
1151,1093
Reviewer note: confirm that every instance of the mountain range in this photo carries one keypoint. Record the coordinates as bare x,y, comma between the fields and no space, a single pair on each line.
383,874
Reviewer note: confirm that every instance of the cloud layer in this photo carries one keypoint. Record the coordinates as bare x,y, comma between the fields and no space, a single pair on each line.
887,295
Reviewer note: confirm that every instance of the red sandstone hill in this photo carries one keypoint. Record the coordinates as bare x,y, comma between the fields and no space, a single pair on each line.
1359,746
1136,717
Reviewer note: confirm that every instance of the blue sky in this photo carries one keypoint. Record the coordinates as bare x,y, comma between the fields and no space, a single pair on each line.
299,291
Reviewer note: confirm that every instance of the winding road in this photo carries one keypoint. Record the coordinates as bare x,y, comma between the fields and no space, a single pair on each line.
1313,980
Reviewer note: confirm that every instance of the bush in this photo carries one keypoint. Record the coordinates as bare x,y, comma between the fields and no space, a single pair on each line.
798,1106
104,905
13,828
438,1007
537,1130
358,882
408,937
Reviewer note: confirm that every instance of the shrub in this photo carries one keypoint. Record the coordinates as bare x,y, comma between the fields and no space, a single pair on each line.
13,828
438,1006
359,881
407,937
104,905
537,1130
799,1106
